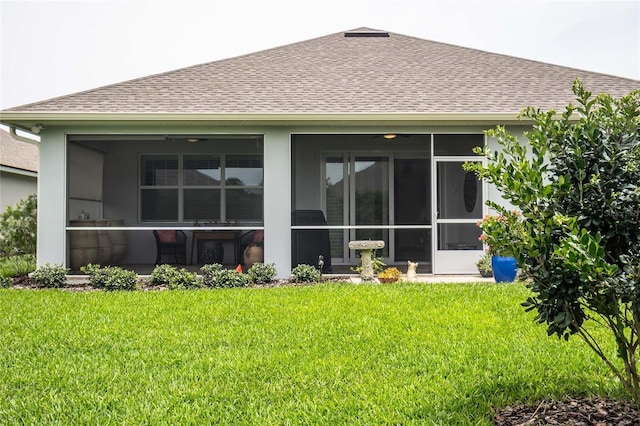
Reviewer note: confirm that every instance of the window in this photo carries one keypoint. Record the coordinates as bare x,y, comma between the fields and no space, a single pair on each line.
202,187
159,178
457,144
199,187
243,181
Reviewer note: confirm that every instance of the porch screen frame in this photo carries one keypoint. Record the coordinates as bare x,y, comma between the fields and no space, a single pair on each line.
466,258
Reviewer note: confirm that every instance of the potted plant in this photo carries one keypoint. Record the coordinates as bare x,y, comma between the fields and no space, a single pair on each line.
389,275
500,233
484,265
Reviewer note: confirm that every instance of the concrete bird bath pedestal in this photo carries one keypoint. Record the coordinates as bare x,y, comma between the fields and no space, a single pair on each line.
365,248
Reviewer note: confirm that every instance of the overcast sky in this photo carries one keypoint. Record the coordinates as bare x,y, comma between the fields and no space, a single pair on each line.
53,48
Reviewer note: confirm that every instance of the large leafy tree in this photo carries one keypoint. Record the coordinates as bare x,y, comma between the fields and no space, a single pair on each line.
576,181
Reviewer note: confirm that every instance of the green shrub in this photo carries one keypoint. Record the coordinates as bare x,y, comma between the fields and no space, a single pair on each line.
18,227
5,281
576,183
261,273
53,276
214,275
185,279
120,279
97,275
111,277
502,233
162,275
211,268
208,271
305,274
173,278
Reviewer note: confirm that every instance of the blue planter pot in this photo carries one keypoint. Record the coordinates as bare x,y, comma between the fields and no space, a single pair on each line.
504,268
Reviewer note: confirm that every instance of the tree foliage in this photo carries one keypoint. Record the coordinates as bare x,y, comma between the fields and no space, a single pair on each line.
576,181
18,228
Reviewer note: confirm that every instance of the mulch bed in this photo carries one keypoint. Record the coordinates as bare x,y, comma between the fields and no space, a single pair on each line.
572,412
24,282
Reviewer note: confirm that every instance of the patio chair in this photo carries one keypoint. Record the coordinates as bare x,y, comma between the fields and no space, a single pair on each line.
171,247
310,244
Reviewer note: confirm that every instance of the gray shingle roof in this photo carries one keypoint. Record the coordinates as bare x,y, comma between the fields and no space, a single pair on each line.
335,74
16,154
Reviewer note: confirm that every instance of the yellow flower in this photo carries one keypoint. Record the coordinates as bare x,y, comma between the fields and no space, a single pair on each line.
390,273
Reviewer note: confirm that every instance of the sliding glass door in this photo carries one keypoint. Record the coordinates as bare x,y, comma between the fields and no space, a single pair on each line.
370,199
410,191
412,208
378,197
336,204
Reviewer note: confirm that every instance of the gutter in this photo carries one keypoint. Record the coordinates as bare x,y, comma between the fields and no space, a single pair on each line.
34,130
275,118
16,171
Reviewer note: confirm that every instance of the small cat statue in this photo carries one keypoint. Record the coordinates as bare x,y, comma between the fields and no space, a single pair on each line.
412,276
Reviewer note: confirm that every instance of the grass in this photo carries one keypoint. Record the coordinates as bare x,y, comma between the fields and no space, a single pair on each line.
336,354
11,266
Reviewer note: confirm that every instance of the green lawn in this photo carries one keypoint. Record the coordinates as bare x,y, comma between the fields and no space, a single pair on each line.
331,354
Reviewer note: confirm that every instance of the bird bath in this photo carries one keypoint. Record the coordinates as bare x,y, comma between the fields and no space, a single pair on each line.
366,247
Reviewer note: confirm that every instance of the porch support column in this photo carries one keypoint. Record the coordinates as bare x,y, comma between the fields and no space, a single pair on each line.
52,195
277,201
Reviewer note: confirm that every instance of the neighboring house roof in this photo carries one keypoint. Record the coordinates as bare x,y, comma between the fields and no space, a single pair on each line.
16,154
344,73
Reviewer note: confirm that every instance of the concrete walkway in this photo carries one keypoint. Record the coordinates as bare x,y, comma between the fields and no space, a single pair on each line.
430,278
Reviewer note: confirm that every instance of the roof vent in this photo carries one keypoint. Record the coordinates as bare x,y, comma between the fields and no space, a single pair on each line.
366,33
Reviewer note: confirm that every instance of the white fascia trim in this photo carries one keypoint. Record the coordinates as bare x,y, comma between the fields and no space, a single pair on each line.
47,117
15,171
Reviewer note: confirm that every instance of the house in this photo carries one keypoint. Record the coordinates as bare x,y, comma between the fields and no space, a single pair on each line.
18,169
368,127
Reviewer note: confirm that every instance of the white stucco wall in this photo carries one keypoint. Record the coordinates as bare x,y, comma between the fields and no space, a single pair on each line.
52,198
277,200
493,193
14,187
